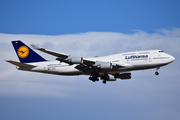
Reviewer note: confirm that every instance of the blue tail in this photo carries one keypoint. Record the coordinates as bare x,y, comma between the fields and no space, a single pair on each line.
26,54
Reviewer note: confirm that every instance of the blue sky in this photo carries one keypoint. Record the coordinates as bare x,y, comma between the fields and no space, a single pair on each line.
90,28
75,16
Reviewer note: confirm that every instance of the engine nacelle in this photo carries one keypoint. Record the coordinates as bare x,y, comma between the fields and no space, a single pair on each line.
75,60
111,78
123,76
108,77
105,65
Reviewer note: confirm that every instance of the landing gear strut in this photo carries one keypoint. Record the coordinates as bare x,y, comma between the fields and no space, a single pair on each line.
157,73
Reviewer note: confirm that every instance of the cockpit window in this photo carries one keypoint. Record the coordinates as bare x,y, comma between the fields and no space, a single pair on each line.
161,51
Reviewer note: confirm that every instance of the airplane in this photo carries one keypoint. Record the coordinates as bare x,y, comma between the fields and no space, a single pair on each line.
107,68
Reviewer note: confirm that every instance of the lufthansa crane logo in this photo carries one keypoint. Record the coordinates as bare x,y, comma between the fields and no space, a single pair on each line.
23,52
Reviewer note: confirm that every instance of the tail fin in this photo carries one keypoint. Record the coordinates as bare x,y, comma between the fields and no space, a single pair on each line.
26,54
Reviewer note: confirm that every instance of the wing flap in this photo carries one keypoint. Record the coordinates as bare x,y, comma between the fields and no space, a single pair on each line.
88,62
20,64
82,67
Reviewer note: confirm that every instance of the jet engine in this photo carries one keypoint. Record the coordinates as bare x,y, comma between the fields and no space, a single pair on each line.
105,65
108,77
123,76
71,60
75,60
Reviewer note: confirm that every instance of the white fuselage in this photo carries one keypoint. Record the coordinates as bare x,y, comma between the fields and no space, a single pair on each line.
129,61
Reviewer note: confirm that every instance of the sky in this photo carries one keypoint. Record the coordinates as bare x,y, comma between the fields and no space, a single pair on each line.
57,17
90,28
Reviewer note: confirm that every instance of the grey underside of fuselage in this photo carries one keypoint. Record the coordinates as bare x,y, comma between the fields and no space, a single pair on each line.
53,72
132,68
144,67
112,71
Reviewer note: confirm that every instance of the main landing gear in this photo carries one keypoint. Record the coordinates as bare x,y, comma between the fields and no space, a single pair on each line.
94,78
157,73
104,81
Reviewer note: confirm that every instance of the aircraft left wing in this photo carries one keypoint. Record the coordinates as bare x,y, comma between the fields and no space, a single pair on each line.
50,52
82,64
66,58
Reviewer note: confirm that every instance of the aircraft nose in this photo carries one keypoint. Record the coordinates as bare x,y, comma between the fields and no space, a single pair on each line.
172,58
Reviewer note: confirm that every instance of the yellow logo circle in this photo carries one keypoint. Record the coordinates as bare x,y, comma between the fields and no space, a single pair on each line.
23,51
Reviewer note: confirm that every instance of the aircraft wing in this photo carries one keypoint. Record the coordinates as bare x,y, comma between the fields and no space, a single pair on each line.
50,52
82,63
20,64
63,57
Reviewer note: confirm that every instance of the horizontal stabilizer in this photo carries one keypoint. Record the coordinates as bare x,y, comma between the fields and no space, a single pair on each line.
20,64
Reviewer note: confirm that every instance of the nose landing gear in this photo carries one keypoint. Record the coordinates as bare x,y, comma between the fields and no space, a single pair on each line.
157,73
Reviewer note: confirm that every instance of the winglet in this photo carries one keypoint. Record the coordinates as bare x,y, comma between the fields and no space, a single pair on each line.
35,47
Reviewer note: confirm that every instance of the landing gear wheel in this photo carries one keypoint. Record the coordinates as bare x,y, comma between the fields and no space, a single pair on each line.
94,79
156,73
104,81
90,78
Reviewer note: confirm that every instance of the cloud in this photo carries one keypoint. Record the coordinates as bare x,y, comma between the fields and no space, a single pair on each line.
160,94
90,44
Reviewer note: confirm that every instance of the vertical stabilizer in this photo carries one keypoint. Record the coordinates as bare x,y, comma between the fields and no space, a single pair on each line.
26,54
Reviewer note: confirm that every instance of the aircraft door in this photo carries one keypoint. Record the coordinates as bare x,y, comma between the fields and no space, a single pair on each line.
150,57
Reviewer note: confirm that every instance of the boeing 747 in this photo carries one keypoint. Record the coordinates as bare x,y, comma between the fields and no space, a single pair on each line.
107,68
